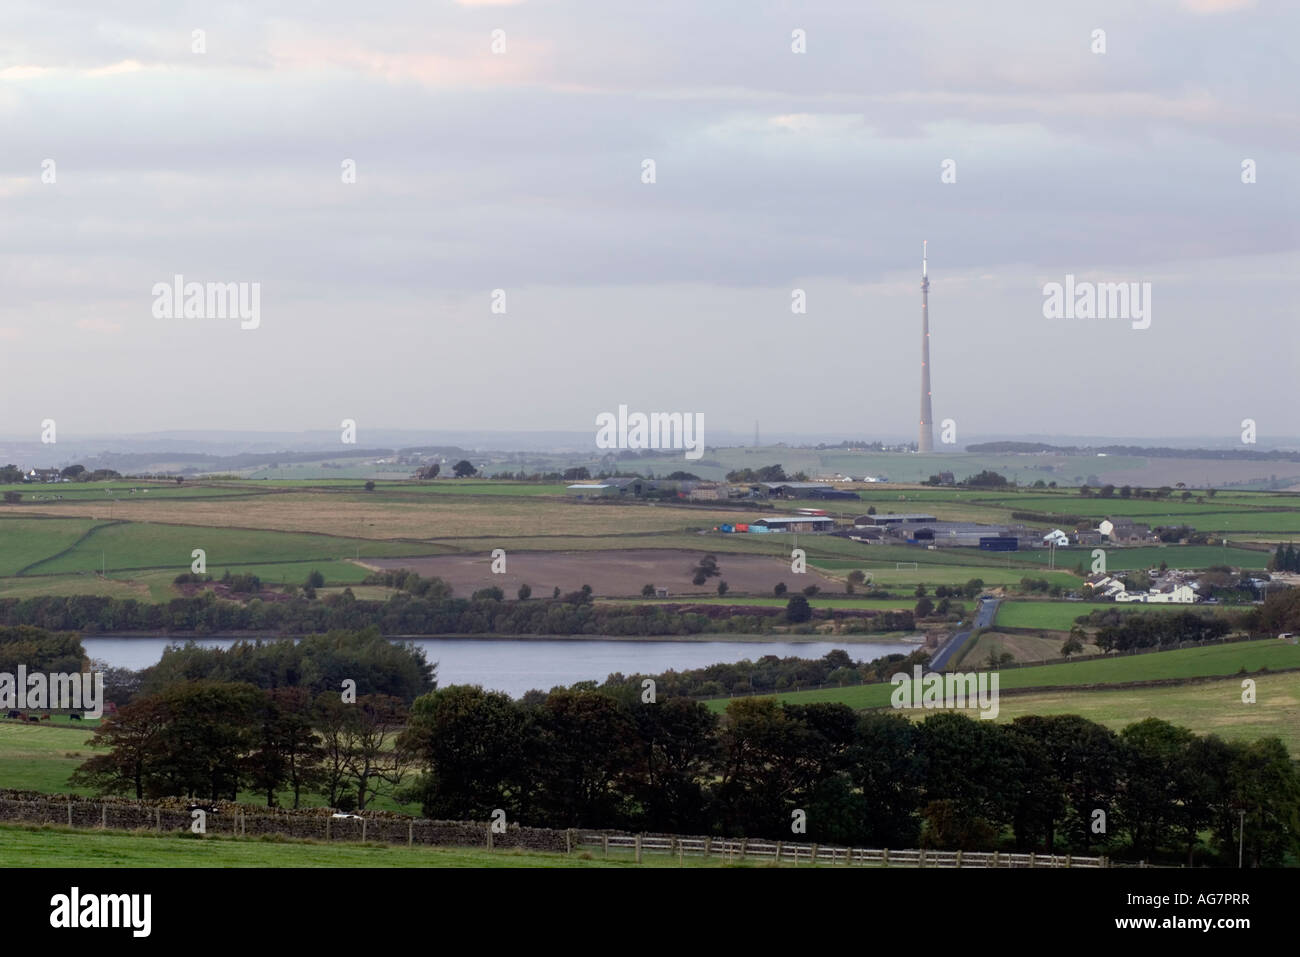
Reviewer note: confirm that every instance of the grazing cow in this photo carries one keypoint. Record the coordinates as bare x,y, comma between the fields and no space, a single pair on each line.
33,719
45,717
74,716
14,714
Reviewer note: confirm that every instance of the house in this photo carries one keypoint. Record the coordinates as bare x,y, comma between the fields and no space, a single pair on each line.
1124,530
1177,594
42,475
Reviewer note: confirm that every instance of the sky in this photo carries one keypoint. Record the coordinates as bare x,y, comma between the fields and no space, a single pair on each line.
135,150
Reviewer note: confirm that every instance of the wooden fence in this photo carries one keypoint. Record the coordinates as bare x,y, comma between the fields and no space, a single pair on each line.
781,852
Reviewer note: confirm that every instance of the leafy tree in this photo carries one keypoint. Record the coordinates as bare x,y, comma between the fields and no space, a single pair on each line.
524,593
722,588
370,486
924,608
1153,756
464,469
647,591
811,590
581,752
779,589
798,610
473,746
315,579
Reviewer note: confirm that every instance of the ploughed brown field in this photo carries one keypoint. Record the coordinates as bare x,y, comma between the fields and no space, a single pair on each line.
611,574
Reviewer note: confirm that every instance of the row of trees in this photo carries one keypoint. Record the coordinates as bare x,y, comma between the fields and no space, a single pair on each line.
587,758
407,614
768,674
1285,559
1122,632
212,739
583,758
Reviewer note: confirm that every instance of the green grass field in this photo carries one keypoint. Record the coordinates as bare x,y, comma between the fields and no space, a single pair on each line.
128,546
1213,707
45,846
1208,661
1060,615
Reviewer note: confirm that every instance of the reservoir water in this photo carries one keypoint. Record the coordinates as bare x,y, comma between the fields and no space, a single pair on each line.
516,666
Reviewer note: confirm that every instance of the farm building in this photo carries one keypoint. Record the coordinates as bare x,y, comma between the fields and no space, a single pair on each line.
592,490
817,490
795,523
899,518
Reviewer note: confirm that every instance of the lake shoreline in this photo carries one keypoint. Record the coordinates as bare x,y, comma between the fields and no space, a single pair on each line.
882,638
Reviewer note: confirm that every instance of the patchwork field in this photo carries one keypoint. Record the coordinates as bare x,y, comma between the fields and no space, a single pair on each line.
612,573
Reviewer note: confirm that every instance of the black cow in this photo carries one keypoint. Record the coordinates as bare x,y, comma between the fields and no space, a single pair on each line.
33,719
13,714
75,717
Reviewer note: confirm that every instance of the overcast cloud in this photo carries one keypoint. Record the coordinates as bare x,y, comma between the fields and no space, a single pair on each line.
522,171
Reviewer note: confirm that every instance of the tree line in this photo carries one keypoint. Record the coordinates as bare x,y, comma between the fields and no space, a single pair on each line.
411,614
588,758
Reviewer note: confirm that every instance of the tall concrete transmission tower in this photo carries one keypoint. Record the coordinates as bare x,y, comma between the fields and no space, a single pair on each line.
925,441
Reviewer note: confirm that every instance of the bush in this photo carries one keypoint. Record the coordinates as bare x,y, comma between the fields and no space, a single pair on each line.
798,610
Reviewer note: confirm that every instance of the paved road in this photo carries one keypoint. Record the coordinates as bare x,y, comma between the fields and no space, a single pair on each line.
988,610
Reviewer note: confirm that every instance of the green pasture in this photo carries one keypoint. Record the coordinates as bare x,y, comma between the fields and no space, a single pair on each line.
25,541
1208,661
51,846
127,546
1060,615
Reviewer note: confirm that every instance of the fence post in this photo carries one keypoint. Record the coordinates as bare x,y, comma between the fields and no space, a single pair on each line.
959,857
157,819
708,846
995,858
489,836
604,842
103,816
638,848
363,830
568,840
1031,858
69,814
1068,859
778,851
410,833
886,857
813,857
